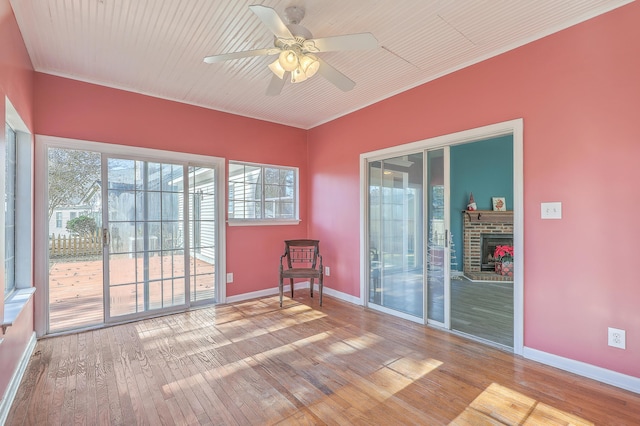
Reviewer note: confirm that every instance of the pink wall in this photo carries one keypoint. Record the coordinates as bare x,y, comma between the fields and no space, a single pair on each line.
72,109
16,83
579,94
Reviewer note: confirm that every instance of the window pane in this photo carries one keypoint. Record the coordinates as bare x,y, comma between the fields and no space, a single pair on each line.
9,210
262,192
236,172
172,177
271,175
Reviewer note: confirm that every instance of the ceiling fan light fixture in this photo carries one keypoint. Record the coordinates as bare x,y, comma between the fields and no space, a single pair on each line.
309,64
288,60
298,76
277,69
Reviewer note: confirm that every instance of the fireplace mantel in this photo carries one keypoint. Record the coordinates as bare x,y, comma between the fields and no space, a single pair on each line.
489,216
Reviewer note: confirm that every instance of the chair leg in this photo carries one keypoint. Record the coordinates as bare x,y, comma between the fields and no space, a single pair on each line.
320,288
311,287
281,288
291,280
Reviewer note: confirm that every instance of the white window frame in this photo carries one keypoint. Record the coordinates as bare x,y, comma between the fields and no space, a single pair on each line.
265,221
14,301
23,226
10,269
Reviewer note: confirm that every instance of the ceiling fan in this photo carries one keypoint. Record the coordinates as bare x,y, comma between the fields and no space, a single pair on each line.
297,50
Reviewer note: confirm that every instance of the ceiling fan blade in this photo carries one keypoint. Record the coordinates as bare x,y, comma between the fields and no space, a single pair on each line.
276,84
272,20
239,55
362,41
335,77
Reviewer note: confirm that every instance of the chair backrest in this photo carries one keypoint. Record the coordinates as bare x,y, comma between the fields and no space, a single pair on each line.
301,253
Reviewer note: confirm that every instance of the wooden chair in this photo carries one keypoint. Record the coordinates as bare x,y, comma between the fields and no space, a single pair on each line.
303,260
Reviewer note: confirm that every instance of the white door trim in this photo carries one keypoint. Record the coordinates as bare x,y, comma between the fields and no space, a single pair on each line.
41,254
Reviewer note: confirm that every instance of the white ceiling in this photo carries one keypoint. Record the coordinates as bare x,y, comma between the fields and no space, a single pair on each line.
156,47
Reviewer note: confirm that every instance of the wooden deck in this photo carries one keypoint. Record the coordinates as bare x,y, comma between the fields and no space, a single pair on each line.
76,288
253,363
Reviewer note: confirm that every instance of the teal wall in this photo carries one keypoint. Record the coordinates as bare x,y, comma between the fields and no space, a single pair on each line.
484,168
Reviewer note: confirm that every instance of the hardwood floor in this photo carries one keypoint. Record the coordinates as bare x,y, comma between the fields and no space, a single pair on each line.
483,309
254,363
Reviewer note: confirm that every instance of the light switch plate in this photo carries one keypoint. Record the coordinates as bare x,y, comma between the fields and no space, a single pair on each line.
551,210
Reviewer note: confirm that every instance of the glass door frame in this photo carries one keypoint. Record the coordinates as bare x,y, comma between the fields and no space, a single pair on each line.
426,202
446,323
41,254
418,226
145,312
515,128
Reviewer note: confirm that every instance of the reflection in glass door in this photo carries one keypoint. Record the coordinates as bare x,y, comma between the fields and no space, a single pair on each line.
396,273
154,262
146,258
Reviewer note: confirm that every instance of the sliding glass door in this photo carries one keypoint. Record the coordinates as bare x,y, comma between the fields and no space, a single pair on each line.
396,254
408,237
203,233
145,224
130,236
74,239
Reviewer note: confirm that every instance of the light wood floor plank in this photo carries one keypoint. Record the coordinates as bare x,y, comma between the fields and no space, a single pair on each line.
256,363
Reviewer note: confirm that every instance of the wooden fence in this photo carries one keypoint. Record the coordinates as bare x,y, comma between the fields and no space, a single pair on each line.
75,245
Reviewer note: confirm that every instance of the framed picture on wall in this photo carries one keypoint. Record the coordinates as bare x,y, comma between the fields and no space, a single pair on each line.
499,204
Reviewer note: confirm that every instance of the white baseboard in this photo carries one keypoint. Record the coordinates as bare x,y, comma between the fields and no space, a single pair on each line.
600,374
264,293
301,285
12,389
343,296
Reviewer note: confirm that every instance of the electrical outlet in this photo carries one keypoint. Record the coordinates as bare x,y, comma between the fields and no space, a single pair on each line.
229,277
617,338
327,271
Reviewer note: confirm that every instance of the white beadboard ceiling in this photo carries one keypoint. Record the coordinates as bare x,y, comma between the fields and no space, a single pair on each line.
156,47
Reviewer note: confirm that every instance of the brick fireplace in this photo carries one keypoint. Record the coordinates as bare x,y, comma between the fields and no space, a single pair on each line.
484,225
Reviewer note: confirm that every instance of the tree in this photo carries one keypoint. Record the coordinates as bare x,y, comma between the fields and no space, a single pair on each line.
71,174
82,225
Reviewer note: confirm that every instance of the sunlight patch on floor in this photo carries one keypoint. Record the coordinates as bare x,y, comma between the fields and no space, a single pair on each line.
500,405
414,366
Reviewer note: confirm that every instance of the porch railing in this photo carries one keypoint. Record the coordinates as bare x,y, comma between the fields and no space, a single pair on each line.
75,245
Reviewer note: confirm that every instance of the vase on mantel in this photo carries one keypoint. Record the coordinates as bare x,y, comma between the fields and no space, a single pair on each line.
498,267
506,268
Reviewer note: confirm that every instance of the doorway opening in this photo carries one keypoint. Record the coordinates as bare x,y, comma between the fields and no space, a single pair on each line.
442,276
128,233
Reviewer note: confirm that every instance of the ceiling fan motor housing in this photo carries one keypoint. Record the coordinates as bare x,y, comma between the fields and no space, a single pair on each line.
294,14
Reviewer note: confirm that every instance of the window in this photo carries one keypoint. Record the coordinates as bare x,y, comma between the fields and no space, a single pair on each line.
58,219
72,215
262,193
10,211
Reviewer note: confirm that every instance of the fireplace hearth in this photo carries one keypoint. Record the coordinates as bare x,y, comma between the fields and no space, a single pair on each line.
488,243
